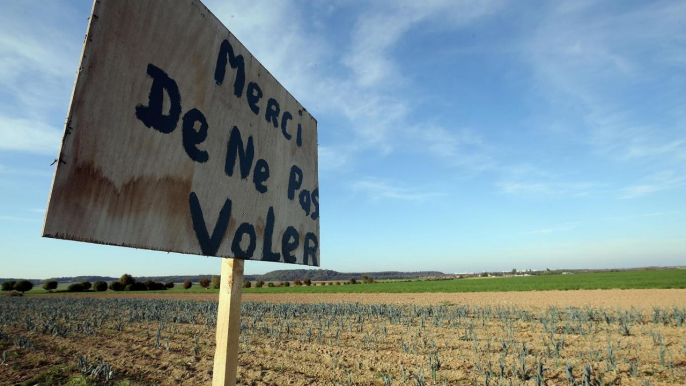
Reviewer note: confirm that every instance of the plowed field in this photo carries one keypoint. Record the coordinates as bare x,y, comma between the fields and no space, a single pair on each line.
637,298
603,337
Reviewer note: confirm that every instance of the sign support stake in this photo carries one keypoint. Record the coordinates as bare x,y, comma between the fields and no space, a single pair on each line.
228,323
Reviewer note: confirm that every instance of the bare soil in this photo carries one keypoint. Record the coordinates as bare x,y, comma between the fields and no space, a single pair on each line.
341,349
636,298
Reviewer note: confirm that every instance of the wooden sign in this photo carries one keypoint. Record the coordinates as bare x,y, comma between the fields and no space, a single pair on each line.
177,139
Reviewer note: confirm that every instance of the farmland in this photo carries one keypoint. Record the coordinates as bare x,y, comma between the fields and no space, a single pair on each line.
135,340
640,279
607,280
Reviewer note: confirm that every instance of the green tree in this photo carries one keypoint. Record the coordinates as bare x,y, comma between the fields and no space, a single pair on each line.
8,285
86,285
187,284
307,281
116,286
204,283
50,285
216,281
297,282
100,286
259,284
352,280
126,279
246,284
76,287
23,286
138,286
169,284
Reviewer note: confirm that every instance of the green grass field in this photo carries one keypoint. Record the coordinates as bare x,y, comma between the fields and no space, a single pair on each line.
675,278
609,280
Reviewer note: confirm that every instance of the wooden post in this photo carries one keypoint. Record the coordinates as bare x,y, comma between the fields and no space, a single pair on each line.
228,323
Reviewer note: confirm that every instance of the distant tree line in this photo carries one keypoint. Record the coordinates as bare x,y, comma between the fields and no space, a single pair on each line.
307,282
317,275
128,283
330,275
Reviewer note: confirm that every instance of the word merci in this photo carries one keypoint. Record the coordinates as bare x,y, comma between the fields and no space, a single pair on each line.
237,151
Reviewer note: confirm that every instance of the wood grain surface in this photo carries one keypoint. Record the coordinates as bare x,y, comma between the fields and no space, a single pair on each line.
147,145
228,323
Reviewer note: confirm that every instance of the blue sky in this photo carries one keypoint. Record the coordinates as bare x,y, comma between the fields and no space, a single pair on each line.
454,136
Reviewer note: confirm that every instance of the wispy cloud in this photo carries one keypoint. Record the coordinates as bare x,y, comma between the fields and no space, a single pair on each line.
378,32
31,218
18,219
676,148
644,215
664,180
379,189
6,170
547,188
358,78
557,228
331,158
591,59
611,87
532,181
28,135
458,147
37,66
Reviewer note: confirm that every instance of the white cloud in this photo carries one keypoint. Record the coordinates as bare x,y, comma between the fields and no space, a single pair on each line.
379,31
18,219
611,86
664,180
28,135
47,172
459,148
358,80
645,215
592,60
331,158
676,148
380,189
636,191
37,66
547,188
557,228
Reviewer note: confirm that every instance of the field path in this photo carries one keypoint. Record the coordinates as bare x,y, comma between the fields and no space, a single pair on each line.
638,298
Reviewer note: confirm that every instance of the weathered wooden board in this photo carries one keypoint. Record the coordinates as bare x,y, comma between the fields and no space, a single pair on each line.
228,323
178,139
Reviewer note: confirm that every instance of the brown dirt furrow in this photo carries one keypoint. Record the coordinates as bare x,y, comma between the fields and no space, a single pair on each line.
637,298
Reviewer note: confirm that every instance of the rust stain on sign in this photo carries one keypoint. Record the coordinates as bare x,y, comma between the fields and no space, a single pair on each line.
89,188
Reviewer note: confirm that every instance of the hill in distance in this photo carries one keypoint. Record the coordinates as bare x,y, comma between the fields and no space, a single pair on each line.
322,275
279,275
